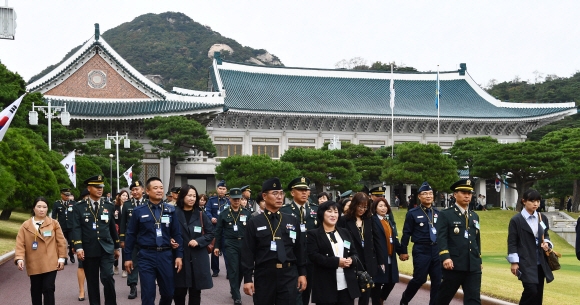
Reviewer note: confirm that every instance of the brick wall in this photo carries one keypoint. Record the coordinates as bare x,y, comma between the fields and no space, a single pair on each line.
77,85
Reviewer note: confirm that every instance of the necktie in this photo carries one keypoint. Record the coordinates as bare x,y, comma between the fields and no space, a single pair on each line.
39,224
280,249
332,237
137,202
301,214
431,233
95,206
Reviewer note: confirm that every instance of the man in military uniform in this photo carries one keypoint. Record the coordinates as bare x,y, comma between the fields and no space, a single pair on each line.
174,195
247,193
96,241
459,244
420,227
305,212
347,194
152,227
127,212
377,191
62,211
215,205
231,226
273,251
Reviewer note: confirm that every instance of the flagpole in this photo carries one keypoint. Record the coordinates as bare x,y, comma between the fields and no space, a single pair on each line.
392,115
438,106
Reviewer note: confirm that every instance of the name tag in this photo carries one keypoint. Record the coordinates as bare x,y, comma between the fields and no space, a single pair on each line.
466,235
261,228
164,219
70,209
144,216
197,229
347,244
104,217
434,230
243,217
158,231
420,216
541,224
47,233
34,245
272,246
94,226
477,225
235,228
293,234
302,227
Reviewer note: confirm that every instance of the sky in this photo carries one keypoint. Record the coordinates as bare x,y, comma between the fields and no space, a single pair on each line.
496,39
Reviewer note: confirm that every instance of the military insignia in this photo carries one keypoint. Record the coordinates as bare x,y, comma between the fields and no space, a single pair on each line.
303,180
421,224
136,183
468,182
105,211
230,223
456,230
86,220
244,223
290,226
315,222
130,214
99,178
274,185
380,188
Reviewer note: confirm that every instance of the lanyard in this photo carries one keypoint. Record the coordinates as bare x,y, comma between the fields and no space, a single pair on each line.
429,219
270,224
91,209
236,218
157,221
361,229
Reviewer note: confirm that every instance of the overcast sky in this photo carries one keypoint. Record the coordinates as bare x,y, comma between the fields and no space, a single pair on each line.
497,39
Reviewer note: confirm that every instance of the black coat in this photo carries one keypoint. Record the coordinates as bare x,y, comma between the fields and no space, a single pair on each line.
521,240
391,274
195,257
367,254
324,264
578,239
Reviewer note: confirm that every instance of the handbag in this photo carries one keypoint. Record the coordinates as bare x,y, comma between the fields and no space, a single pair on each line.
552,257
364,279
211,245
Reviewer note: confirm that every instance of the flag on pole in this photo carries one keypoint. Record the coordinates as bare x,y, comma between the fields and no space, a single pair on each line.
129,175
392,90
7,115
70,166
437,92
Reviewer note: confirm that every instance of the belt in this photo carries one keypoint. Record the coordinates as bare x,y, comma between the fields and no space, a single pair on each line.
275,264
235,238
158,249
426,243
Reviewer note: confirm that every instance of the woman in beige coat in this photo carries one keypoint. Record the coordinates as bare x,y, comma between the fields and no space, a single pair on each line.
40,244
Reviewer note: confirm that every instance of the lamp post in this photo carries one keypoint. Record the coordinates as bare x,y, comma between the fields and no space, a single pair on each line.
50,112
111,156
117,139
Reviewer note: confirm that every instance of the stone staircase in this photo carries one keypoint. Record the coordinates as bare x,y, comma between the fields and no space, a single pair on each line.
562,224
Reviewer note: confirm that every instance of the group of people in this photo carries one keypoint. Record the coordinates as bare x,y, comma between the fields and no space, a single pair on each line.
291,253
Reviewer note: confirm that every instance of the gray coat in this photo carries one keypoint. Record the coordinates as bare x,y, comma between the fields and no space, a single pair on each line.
521,240
197,257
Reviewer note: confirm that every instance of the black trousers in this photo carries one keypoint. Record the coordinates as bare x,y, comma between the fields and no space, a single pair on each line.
275,286
470,282
42,285
67,235
104,264
303,298
343,297
181,292
533,294
381,292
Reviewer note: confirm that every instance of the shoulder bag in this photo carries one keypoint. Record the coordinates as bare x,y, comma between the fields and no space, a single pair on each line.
551,255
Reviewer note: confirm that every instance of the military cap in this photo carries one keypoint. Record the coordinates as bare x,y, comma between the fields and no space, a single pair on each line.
271,184
65,191
300,183
135,184
175,189
346,194
222,183
246,188
235,193
462,185
96,181
424,187
377,190
84,193
168,193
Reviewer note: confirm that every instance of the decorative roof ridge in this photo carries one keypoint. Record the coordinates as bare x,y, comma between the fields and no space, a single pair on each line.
193,93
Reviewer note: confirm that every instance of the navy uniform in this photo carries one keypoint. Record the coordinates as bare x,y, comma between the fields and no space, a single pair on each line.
458,239
306,214
346,194
126,215
215,205
152,227
95,234
274,253
231,226
62,211
420,227
247,193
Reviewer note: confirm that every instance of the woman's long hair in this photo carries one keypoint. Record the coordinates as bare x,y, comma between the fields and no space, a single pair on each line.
183,192
358,199
118,201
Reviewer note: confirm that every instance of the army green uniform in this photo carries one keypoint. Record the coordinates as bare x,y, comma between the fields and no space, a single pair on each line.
231,225
62,211
126,214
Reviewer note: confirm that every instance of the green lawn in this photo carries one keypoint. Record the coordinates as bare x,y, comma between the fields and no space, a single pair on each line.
497,279
9,229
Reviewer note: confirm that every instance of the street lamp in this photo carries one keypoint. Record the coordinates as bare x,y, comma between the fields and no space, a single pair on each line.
49,113
117,139
111,156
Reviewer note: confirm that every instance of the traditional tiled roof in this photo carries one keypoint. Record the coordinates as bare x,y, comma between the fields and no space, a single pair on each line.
364,93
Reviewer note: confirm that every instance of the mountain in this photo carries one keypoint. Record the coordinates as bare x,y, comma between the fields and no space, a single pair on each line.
173,50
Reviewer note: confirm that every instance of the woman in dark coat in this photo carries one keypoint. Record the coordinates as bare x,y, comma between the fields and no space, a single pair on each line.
526,249
387,247
331,251
357,220
195,275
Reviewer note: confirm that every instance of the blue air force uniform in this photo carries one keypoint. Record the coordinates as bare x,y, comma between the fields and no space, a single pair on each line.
151,227
215,206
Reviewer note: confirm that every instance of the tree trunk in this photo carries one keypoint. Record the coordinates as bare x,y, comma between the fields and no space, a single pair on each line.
576,196
5,215
562,206
173,164
521,187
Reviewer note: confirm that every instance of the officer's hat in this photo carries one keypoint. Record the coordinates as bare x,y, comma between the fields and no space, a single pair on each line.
424,187
65,191
378,190
96,181
346,194
300,183
222,183
246,188
175,189
84,193
365,190
462,185
168,194
136,183
271,184
235,193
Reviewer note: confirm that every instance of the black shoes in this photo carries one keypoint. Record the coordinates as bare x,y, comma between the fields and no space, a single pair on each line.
403,302
133,293
65,262
215,274
72,259
236,302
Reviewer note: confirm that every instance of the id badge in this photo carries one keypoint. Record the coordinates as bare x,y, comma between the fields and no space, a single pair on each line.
235,228
347,244
477,225
158,231
47,233
435,219
165,219
34,245
293,234
273,246
243,217
94,226
302,227
105,217
434,230
70,209
219,212
391,240
541,224
466,235
197,229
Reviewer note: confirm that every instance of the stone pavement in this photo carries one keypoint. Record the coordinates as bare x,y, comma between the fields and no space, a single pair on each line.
15,287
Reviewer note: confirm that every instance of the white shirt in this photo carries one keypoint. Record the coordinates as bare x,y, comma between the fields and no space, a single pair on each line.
338,250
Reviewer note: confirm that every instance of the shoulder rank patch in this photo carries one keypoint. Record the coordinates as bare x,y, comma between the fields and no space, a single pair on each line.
444,252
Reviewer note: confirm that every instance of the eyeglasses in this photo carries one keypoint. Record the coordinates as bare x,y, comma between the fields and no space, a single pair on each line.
360,207
277,193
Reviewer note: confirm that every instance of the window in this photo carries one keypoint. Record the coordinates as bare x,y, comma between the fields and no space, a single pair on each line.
269,140
228,139
270,150
341,141
226,150
149,170
296,140
371,142
297,146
